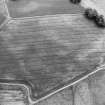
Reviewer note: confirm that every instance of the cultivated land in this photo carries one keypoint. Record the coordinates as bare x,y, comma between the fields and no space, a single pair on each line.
55,47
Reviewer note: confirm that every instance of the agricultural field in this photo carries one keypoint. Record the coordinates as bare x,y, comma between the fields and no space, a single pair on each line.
50,54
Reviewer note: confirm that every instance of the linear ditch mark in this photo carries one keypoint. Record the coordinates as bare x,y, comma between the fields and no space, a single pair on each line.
6,8
5,14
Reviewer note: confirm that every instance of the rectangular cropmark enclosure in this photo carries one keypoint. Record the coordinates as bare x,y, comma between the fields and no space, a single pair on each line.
50,53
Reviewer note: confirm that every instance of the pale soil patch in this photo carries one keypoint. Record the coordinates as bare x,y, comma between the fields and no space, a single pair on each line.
32,6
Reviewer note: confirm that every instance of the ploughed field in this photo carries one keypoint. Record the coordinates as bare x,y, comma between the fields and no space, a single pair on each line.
54,48
49,52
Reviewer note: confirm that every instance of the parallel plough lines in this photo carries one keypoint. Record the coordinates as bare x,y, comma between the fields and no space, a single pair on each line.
48,47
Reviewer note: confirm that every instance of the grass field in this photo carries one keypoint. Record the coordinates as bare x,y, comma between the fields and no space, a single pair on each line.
28,8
